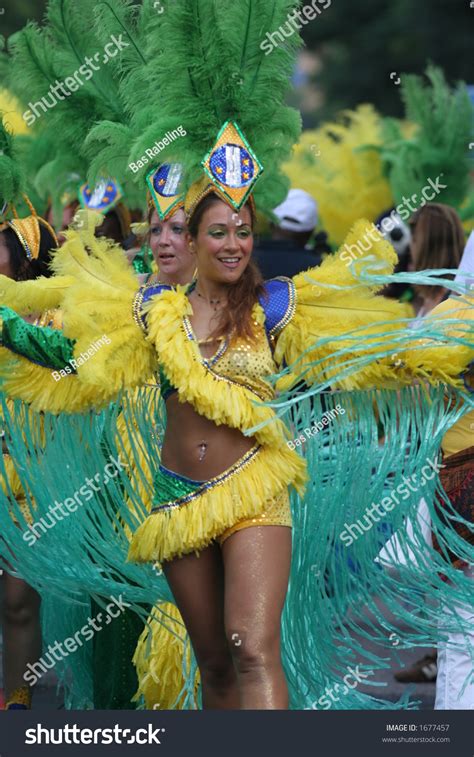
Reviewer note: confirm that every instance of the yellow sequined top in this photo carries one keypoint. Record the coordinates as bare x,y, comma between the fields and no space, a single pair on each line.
240,362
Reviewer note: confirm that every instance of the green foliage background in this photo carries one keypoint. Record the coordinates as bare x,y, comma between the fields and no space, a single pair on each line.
363,41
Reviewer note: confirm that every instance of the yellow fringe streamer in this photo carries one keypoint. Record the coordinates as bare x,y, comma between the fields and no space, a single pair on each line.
158,660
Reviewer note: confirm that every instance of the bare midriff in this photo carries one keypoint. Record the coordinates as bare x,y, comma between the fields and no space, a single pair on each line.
196,447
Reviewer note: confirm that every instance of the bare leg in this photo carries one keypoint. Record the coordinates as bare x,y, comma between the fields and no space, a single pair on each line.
257,567
198,587
21,631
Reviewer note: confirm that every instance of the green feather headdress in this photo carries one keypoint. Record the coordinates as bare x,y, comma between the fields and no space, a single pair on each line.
205,65
42,56
16,211
195,65
439,146
12,183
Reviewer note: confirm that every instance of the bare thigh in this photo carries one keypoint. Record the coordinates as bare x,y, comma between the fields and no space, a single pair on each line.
197,583
257,564
20,600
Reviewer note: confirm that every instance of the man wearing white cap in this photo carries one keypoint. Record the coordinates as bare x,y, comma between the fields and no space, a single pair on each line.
286,254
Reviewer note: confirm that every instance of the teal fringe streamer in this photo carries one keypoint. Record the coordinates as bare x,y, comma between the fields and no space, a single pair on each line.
344,608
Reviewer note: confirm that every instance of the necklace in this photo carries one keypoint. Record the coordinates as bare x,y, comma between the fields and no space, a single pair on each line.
210,340
212,301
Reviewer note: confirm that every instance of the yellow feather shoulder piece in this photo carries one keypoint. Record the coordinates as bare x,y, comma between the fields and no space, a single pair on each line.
331,302
38,386
444,359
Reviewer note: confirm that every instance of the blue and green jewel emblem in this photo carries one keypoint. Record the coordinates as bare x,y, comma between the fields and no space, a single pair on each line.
165,188
101,197
232,166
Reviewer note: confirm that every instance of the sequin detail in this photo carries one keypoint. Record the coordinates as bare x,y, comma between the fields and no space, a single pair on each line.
232,166
173,490
277,513
165,187
144,294
50,318
238,363
248,365
46,347
279,304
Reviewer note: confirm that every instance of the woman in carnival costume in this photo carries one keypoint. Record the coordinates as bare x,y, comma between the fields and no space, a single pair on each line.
55,156
222,489
25,247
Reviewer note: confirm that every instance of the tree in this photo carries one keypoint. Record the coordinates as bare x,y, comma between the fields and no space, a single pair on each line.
364,46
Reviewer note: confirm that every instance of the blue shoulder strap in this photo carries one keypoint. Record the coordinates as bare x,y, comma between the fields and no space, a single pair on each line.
279,304
142,297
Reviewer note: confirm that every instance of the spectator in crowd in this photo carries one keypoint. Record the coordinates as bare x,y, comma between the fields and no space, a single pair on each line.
287,252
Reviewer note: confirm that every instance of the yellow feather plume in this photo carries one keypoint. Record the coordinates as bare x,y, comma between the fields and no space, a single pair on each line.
159,658
345,179
37,296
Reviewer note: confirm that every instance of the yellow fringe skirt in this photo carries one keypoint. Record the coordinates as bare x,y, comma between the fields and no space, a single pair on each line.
188,515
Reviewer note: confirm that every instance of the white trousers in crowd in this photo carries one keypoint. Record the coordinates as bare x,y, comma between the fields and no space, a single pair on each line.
455,681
